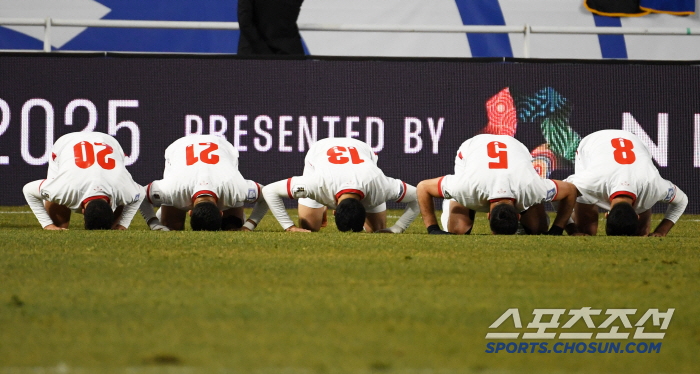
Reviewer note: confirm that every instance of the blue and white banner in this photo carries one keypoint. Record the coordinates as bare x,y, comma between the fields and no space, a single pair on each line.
385,12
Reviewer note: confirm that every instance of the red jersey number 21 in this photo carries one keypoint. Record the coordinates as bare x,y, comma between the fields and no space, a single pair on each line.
205,155
497,150
337,155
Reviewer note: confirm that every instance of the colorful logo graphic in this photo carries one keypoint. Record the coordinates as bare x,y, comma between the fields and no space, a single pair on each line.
547,108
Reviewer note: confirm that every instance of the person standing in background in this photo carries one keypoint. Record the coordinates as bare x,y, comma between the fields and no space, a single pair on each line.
269,27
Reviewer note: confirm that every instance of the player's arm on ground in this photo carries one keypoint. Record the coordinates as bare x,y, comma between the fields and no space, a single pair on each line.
675,209
410,197
129,211
273,194
566,198
425,192
259,210
36,202
149,215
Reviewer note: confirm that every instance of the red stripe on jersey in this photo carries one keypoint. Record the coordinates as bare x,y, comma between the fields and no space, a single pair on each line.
624,193
557,186
103,197
440,187
148,193
404,192
356,192
258,197
42,182
505,198
289,188
204,192
460,155
53,156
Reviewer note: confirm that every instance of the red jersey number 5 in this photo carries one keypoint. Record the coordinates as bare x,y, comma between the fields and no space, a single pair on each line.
205,155
497,150
85,157
337,155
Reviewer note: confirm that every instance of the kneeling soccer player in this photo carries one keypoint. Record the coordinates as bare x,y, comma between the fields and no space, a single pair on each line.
342,174
614,171
86,175
201,176
494,173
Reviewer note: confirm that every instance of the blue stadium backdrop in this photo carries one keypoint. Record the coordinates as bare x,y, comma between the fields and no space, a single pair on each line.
414,113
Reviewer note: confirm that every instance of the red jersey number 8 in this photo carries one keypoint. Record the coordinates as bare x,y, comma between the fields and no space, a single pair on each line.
336,155
84,153
623,151
205,156
497,150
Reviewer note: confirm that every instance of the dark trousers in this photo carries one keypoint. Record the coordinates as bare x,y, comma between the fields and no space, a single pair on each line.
269,27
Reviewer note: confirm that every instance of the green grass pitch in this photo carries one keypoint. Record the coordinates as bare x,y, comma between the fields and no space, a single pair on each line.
269,301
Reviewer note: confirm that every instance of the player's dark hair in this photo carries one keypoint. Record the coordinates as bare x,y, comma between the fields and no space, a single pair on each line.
206,216
504,219
98,215
622,220
350,215
231,223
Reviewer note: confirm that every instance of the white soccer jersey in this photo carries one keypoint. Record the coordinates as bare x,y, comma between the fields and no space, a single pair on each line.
199,165
614,162
491,167
85,165
335,166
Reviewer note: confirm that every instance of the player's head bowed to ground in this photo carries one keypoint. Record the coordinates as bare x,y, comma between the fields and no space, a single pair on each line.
86,174
350,215
98,215
201,177
503,219
614,171
494,174
342,174
206,216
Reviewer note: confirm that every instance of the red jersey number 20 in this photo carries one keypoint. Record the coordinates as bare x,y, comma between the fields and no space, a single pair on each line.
497,150
85,156
205,155
338,155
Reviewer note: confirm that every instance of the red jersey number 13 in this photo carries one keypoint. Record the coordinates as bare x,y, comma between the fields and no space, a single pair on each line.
337,155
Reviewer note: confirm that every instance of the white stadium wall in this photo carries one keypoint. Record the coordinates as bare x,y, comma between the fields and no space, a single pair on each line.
373,12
